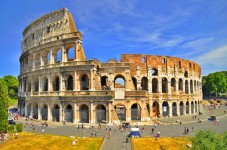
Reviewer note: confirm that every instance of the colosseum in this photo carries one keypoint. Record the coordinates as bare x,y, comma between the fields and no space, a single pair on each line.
57,83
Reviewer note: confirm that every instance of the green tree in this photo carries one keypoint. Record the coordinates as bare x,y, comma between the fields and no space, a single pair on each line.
12,84
3,106
208,140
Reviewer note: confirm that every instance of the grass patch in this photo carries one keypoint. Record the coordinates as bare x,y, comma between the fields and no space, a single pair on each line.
34,141
178,143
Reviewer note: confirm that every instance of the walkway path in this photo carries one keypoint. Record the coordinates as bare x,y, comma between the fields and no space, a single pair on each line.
168,128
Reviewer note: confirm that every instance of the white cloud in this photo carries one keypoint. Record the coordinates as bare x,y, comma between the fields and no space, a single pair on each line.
216,57
198,43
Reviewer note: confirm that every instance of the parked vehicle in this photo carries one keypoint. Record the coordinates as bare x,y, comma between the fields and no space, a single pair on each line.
212,118
11,122
126,124
135,133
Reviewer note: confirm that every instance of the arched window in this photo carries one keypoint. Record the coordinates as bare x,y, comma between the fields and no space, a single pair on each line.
119,81
70,83
58,56
186,74
45,84
104,81
180,87
134,82
173,84
144,83
186,87
164,85
84,82
70,54
154,72
154,85
56,84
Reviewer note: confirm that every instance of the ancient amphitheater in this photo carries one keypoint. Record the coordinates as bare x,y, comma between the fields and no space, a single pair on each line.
58,83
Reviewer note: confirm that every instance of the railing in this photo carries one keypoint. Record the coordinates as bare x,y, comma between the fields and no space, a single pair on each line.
88,93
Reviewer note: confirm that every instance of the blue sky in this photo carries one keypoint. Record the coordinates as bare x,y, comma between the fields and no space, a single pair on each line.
189,29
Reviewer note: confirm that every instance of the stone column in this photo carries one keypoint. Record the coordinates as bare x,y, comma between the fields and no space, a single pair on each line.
109,113
22,85
159,85
51,56
75,113
178,108
91,113
184,108
26,109
170,109
63,54
49,114
39,112
177,86
75,83
34,62
61,113
62,83
169,86
41,59
40,84
189,87
128,113
31,111
160,109
92,80
50,85
189,108
150,85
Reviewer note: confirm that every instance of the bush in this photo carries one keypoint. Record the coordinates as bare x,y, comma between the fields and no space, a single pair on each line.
11,128
19,127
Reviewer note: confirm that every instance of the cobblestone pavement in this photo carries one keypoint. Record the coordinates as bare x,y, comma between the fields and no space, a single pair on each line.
168,127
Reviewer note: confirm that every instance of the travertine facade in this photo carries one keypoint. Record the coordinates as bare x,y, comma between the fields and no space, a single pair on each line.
58,83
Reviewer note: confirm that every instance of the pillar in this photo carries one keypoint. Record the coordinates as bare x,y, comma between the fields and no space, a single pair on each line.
91,113
178,108
109,113
39,112
160,109
63,54
184,110
75,113
49,114
92,80
170,109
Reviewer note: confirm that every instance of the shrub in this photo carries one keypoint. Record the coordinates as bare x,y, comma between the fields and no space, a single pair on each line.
19,127
11,128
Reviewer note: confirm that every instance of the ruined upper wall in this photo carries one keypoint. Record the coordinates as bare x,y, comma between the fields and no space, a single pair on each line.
166,63
49,27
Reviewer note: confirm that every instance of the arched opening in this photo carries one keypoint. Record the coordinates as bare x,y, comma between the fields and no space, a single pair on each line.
181,108
36,84
44,112
186,87
154,85
196,106
104,81
187,107
70,83
35,111
134,82
119,81
191,86
45,84
173,85
56,113
174,109
100,113
70,54
29,86
84,82
144,83
29,111
25,83
68,113
186,74
58,56
192,107
195,88
56,84
180,85
135,112
84,114
154,72
48,58
165,109
121,112
155,109
164,85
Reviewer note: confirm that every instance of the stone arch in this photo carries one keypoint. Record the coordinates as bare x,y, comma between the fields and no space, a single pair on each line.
29,110
154,85
100,113
121,111
181,108
144,83
174,109
135,112
56,84
134,80
192,107
186,87
44,112
191,86
35,111
29,86
196,107
187,107
84,82
45,84
68,113
58,56
104,81
180,85
155,109
195,87
164,85
173,84
119,81
71,54
70,82
154,72
186,74
56,113
46,57
36,85
165,109
84,113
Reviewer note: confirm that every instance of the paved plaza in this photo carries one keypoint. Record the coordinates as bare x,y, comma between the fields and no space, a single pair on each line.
168,127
